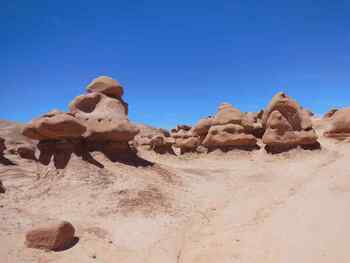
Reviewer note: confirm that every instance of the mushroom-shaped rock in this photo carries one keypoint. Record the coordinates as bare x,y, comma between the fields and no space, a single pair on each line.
104,113
339,127
287,126
56,236
227,137
54,126
107,86
161,144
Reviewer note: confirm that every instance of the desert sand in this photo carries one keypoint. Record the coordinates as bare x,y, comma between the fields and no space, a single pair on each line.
219,207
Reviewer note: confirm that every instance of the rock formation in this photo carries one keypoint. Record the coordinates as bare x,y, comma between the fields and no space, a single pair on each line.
330,113
228,129
97,121
287,125
56,236
54,125
162,144
104,114
184,138
339,126
202,127
144,137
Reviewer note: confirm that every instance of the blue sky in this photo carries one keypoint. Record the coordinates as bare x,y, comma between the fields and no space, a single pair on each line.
178,60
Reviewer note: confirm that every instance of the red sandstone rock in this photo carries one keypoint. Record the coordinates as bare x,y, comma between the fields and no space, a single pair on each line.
287,125
54,125
339,125
107,86
56,236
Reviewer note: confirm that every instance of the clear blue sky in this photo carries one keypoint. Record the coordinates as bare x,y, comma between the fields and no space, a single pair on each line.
178,60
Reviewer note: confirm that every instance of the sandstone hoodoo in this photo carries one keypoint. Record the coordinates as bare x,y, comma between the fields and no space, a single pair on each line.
105,115
287,125
55,236
228,129
339,127
97,121
184,138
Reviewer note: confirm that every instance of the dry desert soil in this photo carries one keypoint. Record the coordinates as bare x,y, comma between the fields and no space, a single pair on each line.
220,207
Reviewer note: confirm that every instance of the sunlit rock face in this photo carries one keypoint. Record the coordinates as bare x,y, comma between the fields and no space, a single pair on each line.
287,125
97,120
339,125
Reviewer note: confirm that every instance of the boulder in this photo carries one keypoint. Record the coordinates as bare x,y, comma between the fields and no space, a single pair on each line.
26,151
55,236
287,125
107,86
54,125
339,126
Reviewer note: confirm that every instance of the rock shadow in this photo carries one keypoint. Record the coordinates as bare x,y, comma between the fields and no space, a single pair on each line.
277,149
5,161
226,149
131,159
60,152
69,246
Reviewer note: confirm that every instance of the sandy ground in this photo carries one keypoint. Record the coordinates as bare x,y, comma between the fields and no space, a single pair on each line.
233,207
